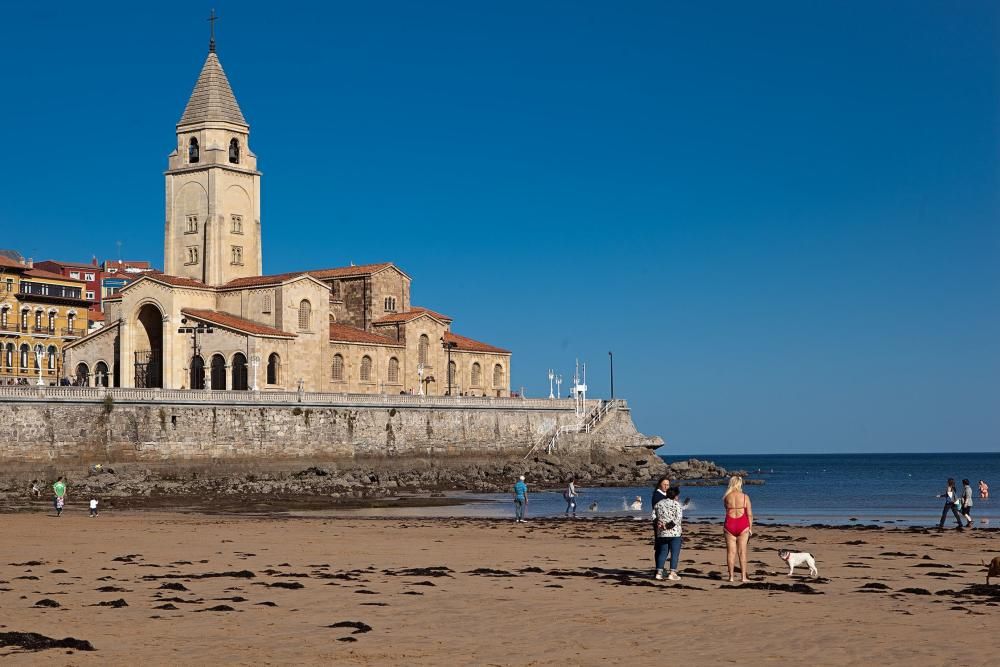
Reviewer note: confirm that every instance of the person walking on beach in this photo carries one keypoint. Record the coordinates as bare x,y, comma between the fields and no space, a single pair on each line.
967,502
570,495
520,499
59,497
669,515
738,526
951,502
984,490
93,508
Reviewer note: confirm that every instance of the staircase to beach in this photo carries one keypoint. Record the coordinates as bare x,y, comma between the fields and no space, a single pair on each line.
589,423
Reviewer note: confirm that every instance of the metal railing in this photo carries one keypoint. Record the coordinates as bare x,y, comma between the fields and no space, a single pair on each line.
591,421
237,397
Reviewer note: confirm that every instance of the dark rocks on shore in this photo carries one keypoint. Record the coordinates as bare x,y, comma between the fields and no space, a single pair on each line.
133,484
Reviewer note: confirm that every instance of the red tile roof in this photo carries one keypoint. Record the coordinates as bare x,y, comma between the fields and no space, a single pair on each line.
236,323
176,281
411,314
342,333
48,275
319,274
95,316
469,345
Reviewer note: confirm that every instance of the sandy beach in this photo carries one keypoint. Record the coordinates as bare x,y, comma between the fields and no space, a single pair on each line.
227,589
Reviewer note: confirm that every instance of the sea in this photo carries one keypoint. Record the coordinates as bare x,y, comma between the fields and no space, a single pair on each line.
797,489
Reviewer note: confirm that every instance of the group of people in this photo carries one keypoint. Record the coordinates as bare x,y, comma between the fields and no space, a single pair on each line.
960,503
668,517
60,492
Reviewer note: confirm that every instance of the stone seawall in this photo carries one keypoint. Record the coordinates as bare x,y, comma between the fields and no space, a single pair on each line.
56,431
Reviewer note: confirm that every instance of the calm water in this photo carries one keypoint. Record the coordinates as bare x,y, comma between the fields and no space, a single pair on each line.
798,489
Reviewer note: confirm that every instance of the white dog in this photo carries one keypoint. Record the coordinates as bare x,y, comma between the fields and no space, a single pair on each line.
797,558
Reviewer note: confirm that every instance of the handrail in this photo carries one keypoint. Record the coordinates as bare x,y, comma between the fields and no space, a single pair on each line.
233,397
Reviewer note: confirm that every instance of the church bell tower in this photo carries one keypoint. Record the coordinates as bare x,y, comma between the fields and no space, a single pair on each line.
212,187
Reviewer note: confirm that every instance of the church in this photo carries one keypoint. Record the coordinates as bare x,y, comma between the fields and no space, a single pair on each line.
212,320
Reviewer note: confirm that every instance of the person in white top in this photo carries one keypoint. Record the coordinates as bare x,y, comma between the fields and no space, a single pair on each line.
570,495
93,507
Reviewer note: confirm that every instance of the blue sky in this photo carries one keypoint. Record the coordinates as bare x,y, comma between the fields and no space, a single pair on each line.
781,216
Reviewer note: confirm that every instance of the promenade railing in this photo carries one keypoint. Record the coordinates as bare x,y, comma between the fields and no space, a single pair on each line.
227,397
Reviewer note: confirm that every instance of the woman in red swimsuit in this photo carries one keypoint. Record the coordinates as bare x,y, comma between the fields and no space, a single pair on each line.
738,527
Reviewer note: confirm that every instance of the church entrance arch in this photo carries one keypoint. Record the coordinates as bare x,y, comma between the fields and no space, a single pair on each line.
197,372
82,375
218,372
149,347
239,372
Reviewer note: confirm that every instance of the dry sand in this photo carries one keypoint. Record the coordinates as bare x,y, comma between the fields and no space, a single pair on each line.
553,592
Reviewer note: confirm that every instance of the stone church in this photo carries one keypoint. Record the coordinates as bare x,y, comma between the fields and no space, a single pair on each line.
211,320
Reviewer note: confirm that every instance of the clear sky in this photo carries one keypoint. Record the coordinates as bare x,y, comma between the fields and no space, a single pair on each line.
782,217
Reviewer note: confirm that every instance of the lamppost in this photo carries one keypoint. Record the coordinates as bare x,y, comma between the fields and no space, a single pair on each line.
552,375
611,359
198,328
449,345
39,353
420,379
558,386
255,362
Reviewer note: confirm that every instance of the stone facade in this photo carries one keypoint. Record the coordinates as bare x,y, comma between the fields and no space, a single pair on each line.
212,320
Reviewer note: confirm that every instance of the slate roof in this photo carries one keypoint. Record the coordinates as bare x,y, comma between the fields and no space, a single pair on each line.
469,345
212,98
236,323
342,333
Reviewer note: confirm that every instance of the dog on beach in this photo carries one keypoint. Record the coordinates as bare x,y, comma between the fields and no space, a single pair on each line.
994,570
798,558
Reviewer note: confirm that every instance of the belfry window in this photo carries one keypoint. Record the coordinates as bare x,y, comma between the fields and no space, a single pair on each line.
192,254
192,225
194,153
234,151
237,255
237,221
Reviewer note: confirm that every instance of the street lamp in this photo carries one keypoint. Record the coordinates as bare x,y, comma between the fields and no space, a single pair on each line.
611,359
255,362
552,375
198,328
449,345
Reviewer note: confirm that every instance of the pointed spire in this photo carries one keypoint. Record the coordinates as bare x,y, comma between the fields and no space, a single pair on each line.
212,98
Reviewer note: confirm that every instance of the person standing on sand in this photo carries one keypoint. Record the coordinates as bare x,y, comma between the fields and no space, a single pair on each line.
967,503
59,498
520,499
659,493
984,490
570,495
951,502
669,515
738,526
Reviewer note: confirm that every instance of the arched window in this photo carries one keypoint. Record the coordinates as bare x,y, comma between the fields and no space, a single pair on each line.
70,321
338,368
366,368
50,355
477,374
24,319
38,354
193,152
197,372
82,375
3,317
8,356
425,344
498,376
25,353
52,321
218,372
234,151
305,314
389,305
239,372
452,373
101,374
273,368
393,374
38,320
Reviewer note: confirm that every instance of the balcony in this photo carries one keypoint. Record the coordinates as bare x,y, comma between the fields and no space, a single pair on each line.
72,332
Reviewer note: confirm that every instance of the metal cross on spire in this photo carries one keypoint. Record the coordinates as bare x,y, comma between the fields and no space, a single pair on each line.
211,22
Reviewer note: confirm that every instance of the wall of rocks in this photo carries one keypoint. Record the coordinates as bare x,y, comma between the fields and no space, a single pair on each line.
57,432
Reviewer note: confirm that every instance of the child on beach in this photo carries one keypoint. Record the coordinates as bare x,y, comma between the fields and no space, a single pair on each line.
967,503
59,499
93,507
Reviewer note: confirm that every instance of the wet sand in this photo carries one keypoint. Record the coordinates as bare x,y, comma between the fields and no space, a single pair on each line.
171,588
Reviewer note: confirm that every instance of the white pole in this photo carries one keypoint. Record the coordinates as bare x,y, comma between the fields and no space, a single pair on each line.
551,377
